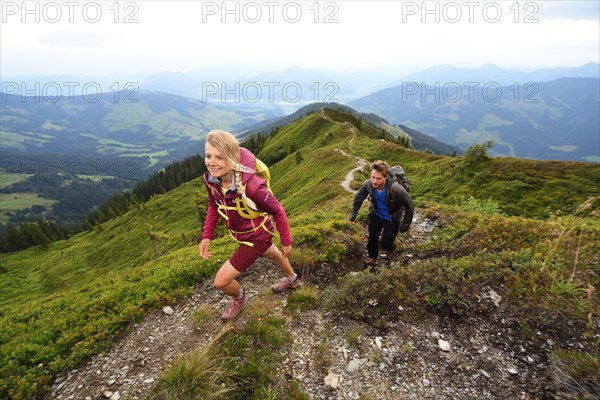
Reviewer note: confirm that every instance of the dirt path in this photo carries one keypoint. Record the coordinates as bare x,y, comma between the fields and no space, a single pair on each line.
360,164
332,357
131,368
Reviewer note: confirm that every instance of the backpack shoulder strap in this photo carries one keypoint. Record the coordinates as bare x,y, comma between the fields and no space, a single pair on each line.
397,189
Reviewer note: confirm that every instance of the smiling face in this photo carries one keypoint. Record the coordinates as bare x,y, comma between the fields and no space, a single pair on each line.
215,162
377,179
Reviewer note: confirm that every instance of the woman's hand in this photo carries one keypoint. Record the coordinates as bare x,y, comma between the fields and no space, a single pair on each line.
203,248
286,250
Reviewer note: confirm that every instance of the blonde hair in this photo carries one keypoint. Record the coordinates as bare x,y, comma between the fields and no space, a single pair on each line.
228,146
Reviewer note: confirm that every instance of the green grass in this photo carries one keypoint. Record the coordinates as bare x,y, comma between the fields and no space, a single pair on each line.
200,375
62,304
41,338
118,246
490,120
305,298
19,140
18,201
202,315
543,269
519,187
572,368
8,178
240,363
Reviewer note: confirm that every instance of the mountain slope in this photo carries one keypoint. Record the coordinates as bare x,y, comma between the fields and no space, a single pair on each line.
418,140
520,187
446,275
127,123
550,120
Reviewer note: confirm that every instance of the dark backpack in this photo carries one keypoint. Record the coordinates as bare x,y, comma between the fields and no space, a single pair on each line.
396,174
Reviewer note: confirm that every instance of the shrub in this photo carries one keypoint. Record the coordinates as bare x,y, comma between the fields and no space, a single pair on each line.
477,153
481,206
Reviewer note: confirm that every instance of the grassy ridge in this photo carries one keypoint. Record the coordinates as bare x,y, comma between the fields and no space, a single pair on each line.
520,187
118,246
65,303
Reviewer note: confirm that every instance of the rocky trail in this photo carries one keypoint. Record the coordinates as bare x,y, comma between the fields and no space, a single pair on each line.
434,357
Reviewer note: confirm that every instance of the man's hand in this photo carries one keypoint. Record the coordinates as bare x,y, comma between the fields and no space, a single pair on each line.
286,250
351,222
203,248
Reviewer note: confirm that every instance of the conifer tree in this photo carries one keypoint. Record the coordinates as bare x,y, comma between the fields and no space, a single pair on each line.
13,238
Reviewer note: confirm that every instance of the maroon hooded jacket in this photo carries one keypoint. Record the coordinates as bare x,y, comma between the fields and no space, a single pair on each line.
257,191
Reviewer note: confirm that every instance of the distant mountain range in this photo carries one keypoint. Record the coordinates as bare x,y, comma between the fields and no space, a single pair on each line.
215,84
296,87
490,73
159,127
289,90
558,120
549,113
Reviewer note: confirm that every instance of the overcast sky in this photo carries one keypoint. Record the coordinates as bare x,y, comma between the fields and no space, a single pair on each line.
141,37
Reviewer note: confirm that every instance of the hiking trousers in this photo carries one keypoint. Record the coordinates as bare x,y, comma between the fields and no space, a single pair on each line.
390,231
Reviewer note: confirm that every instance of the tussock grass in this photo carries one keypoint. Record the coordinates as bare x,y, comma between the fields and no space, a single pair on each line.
255,352
353,336
305,298
201,375
202,315
575,373
322,356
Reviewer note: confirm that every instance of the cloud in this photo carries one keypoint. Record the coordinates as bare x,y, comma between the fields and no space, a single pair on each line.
526,33
77,39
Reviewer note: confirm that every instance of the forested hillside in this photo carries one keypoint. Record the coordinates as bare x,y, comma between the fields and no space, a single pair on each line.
87,213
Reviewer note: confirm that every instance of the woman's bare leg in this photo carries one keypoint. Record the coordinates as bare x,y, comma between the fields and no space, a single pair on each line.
225,280
283,263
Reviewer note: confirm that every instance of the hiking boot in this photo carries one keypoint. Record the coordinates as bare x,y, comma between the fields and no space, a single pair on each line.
370,262
389,255
235,307
284,284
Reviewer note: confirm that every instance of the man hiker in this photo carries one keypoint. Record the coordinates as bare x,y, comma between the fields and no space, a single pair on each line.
389,200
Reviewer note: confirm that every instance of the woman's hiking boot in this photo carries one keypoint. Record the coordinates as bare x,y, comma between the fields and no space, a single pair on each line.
284,284
234,307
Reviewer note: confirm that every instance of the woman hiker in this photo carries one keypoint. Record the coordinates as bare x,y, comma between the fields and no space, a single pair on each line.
235,192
